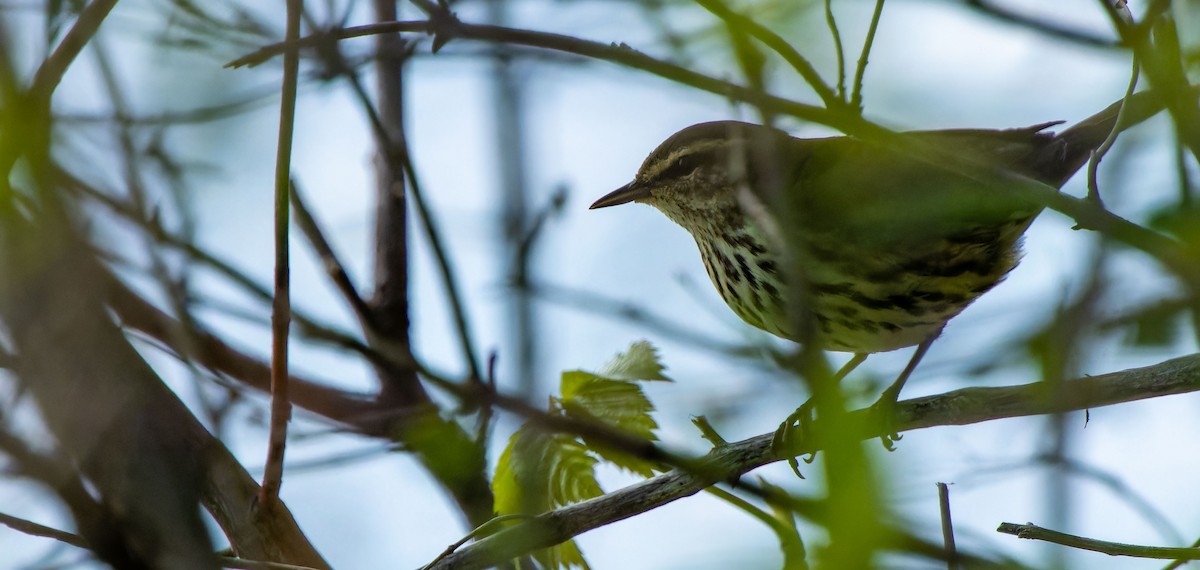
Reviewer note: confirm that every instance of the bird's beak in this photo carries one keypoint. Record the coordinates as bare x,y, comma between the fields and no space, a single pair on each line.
628,193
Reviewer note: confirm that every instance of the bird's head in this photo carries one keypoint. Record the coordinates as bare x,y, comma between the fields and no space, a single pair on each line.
696,174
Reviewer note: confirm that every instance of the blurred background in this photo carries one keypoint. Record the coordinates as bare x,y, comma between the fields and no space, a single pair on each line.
510,145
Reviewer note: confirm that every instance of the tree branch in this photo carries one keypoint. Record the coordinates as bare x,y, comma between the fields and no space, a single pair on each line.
1045,27
1034,532
960,407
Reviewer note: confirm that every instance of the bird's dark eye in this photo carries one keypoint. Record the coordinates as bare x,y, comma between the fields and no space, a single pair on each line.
683,166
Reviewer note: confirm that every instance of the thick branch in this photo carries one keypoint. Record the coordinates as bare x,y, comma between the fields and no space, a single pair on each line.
960,407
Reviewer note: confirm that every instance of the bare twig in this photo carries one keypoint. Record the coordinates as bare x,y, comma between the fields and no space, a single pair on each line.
34,529
856,92
1098,154
281,407
51,72
329,260
442,256
391,245
779,46
447,27
1034,532
1160,62
789,538
1051,29
831,22
947,526
605,306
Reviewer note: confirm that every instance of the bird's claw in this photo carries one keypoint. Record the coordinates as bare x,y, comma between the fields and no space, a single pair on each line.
885,410
801,419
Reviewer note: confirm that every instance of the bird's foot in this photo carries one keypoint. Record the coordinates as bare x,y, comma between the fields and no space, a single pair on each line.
800,421
884,409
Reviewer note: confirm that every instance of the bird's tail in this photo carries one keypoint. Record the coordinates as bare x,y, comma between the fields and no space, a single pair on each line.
1078,141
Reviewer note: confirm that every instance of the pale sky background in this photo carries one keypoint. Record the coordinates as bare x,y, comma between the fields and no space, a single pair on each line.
589,127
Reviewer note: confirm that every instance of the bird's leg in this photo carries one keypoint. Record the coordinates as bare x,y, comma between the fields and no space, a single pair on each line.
803,416
885,406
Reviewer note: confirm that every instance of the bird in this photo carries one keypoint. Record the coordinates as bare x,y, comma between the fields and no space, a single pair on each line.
877,247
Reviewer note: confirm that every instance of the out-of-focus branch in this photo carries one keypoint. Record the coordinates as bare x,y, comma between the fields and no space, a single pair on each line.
329,260
352,409
606,306
148,458
445,27
1034,532
51,72
281,303
960,407
1045,27
863,56
779,46
34,529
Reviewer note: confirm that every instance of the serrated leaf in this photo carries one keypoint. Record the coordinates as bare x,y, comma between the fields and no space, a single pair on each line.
640,362
626,461
565,555
619,403
539,471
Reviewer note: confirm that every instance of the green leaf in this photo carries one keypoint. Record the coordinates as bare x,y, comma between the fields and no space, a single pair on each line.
565,555
619,403
640,362
539,471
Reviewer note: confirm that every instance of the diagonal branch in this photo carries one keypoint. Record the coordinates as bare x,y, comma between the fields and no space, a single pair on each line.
1046,27
960,407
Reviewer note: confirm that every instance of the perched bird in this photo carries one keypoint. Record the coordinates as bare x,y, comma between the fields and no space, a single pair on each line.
888,245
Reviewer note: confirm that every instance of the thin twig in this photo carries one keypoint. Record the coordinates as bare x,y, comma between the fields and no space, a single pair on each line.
789,538
856,94
831,22
1098,154
1034,532
1167,79
1051,29
51,71
605,306
281,407
447,27
779,46
308,325
442,256
482,530
396,144
947,526
36,101
243,564
329,260
34,529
